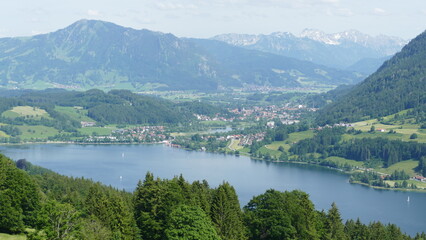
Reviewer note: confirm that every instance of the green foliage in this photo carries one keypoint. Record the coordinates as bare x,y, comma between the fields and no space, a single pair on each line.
58,221
10,216
10,130
114,107
421,168
94,230
373,151
189,222
281,215
110,208
19,197
334,223
226,213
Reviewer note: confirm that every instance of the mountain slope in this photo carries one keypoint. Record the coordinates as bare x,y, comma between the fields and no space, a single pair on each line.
339,50
368,65
400,83
269,69
99,54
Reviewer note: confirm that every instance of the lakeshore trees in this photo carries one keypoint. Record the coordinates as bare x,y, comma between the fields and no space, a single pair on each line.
59,207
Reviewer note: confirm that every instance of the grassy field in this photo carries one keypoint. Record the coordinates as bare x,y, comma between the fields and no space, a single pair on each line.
215,123
3,134
277,144
421,185
34,132
234,145
25,111
101,131
343,161
403,131
274,153
292,138
75,113
407,166
4,236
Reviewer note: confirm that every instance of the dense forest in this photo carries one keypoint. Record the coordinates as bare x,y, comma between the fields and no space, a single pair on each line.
52,206
399,84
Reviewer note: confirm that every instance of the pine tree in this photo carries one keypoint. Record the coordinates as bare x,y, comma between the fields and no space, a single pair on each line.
335,224
147,200
226,213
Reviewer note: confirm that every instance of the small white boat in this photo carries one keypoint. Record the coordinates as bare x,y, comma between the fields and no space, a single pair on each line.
408,199
122,155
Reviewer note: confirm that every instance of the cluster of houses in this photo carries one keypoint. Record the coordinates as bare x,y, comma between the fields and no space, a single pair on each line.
287,114
419,178
265,89
137,134
247,140
142,133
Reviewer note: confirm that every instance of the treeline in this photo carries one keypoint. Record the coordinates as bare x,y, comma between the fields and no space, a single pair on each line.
203,108
377,180
60,207
202,142
380,150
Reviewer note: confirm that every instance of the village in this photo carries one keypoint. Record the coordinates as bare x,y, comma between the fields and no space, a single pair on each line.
141,134
286,114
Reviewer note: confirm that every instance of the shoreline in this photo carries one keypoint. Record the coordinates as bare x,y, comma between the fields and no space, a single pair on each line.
241,154
78,143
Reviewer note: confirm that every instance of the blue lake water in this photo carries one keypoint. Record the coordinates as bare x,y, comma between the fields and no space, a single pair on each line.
107,163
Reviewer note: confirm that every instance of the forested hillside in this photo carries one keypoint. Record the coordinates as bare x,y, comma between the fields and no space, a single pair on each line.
96,54
114,107
399,84
46,205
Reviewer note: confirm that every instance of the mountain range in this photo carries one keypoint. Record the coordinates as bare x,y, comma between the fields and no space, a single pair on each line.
345,50
96,54
399,84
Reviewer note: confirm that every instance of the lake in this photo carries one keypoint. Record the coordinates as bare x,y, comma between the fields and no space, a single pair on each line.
122,166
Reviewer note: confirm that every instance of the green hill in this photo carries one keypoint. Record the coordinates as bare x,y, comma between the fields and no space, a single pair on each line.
399,84
53,110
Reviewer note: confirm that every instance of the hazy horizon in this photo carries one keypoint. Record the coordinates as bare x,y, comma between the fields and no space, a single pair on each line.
204,19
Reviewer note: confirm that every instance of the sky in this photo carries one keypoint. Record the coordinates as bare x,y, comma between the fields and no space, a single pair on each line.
207,18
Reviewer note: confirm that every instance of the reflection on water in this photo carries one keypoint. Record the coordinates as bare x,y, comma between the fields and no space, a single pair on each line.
122,166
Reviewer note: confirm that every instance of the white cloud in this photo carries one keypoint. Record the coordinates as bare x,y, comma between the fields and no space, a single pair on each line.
93,13
174,6
344,12
330,1
380,11
340,12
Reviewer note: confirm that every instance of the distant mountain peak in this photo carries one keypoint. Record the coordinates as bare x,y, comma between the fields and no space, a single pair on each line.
338,50
319,36
237,39
351,35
